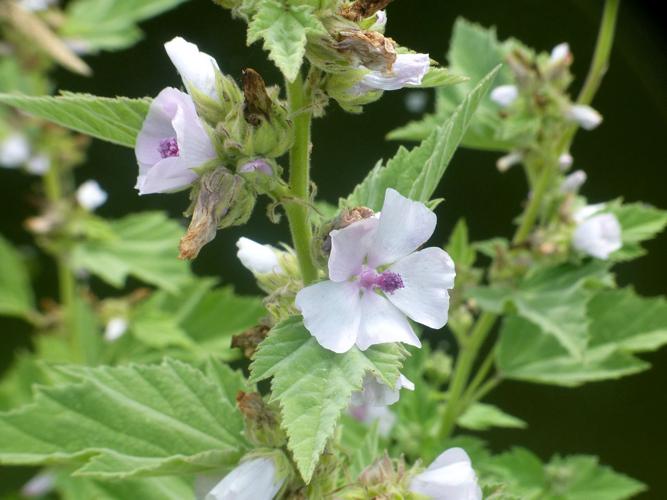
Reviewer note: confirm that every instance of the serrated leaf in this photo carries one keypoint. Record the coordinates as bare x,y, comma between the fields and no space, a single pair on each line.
116,120
576,477
284,28
162,488
16,297
552,298
314,385
142,245
639,222
125,422
622,323
482,416
97,25
417,173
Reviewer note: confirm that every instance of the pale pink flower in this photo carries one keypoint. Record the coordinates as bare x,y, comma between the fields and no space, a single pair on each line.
172,142
254,479
258,258
449,477
408,69
198,70
597,234
377,279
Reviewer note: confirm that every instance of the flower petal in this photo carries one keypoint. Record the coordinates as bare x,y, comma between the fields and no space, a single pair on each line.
598,236
254,479
426,275
449,477
408,69
197,69
167,175
382,323
194,143
349,247
404,226
257,258
331,313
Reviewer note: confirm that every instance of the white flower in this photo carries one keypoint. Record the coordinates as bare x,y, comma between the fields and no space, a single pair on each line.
560,52
573,182
90,195
115,329
38,164
416,101
504,95
596,235
372,402
377,278
14,150
36,5
380,21
40,485
504,163
565,161
254,479
449,477
259,259
585,116
197,69
408,69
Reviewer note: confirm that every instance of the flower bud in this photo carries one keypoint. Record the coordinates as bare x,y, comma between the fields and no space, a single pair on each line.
90,195
249,340
262,421
115,329
14,150
450,477
585,116
565,161
259,259
504,163
573,182
504,95
221,199
561,54
597,235
38,164
197,69
40,485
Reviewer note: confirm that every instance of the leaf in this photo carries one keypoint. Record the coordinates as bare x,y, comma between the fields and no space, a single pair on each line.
553,298
459,247
117,120
162,488
639,222
474,51
417,173
95,25
284,28
576,477
143,245
622,323
438,77
314,385
125,422
481,416
364,450
16,297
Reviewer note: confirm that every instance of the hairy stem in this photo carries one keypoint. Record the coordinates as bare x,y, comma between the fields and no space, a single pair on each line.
459,398
299,179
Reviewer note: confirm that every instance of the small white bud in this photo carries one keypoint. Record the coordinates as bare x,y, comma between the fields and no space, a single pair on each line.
90,195
416,101
259,259
40,485
115,329
38,164
560,53
14,150
565,161
585,116
504,163
598,236
504,95
573,182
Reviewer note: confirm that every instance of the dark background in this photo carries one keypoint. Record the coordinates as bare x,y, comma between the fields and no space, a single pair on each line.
624,422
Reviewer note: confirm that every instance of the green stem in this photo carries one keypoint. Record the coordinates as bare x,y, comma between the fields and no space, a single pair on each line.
534,205
462,371
299,179
481,374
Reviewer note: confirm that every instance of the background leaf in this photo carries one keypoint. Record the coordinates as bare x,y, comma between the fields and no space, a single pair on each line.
314,385
113,422
16,297
482,416
417,173
117,120
162,488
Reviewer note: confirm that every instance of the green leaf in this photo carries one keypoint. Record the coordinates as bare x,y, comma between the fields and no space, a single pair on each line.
143,245
117,120
417,173
639,222
284,28
98,25
474,51
161,488
577,477
622,323
552,298
16,297
314,385
459,247
365,451
126,421
481,416
439,77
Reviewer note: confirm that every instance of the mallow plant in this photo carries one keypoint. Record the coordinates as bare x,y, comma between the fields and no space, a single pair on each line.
333,384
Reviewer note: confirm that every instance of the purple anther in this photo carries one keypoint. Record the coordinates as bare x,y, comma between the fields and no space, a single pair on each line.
168,147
